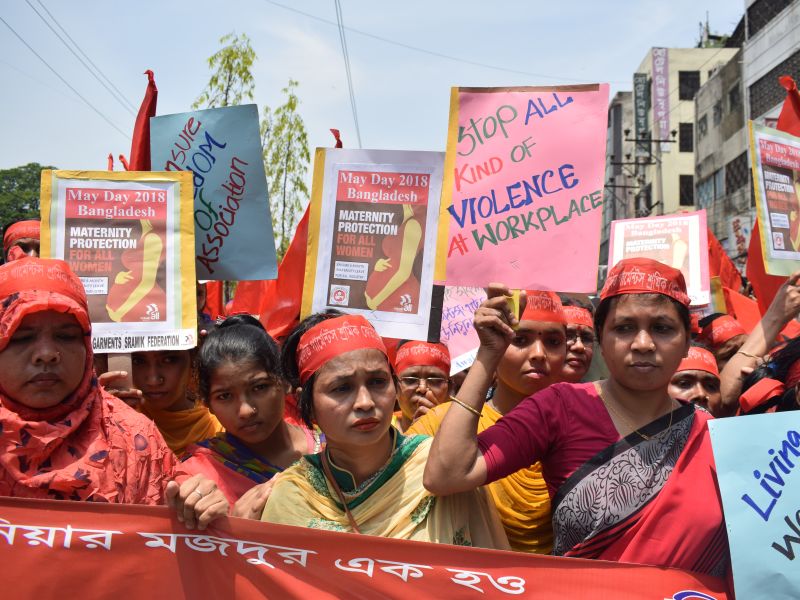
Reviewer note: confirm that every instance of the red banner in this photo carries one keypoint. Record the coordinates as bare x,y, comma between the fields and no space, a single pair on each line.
53,549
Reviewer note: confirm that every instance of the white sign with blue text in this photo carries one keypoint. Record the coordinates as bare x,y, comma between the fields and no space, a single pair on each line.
758,467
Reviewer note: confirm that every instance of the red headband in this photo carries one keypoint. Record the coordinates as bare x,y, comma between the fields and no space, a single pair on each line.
577,315
699,359
332,338
720,330
645,276
39,284
20,230
422,354
764,390
543,306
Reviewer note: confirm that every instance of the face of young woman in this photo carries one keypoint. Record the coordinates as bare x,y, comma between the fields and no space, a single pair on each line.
700,387
534,359
580,349
354,396
644,341
425,384
247,400
44,361
162,376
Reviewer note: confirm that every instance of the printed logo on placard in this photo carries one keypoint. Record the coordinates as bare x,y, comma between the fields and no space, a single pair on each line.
340,295
152,313
777,241
406,304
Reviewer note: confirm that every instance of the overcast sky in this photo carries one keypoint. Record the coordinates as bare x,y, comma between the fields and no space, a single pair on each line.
401,94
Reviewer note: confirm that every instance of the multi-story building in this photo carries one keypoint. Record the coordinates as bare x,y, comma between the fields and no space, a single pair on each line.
620,176
722,169
746,87
666,152
771,49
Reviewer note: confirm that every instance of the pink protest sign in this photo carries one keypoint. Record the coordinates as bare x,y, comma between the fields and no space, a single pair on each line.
523,187
457,332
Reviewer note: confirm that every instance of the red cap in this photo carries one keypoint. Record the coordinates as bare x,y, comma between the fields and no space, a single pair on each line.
332,338
645,276
20,230
577,315
543,306
720,330
422,354
699,359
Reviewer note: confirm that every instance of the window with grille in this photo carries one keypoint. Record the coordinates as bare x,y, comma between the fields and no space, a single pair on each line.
688,84
737,173
734,97
765,93
686,137
717,112
702,127
761,12
686,187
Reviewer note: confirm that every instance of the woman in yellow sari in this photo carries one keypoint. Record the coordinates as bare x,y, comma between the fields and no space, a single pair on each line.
534,360
369,477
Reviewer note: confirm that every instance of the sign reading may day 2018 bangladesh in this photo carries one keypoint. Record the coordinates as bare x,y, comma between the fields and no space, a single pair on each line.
523,187
372,238
758,467
775,157
680,241
128,236
222,149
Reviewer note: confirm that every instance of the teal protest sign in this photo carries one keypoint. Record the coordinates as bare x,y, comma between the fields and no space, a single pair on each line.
758,467
222,149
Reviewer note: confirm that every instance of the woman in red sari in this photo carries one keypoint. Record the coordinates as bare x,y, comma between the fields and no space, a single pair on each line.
626,465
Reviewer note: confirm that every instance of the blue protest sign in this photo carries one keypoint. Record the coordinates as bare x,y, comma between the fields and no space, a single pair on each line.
222,149
758,467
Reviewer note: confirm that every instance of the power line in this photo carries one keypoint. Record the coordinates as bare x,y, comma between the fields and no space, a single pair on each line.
86,56
346,56
64,81
433,52
75,54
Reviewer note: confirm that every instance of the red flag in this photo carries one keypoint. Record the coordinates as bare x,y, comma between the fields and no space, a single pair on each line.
766,286
742,308
337,136
789,119
214,306
140,144
720,265
277,301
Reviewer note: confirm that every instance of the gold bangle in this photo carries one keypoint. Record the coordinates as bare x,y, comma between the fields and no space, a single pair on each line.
474,411
749,355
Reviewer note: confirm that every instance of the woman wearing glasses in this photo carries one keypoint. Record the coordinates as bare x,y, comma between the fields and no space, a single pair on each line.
423,371
534,360
580,340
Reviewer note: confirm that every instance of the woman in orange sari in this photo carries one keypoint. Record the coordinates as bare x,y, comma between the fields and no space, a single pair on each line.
61,436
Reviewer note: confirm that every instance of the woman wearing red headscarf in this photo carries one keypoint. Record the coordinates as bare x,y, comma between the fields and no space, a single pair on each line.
21,239
624,462
61,435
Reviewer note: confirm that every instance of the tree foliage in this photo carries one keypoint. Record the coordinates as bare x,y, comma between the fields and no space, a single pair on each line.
231,79
19,193
286,158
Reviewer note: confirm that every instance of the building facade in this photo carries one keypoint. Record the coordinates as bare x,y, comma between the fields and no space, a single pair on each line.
666,150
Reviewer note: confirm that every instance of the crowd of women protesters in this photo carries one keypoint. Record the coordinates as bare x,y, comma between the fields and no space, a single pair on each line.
337,428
